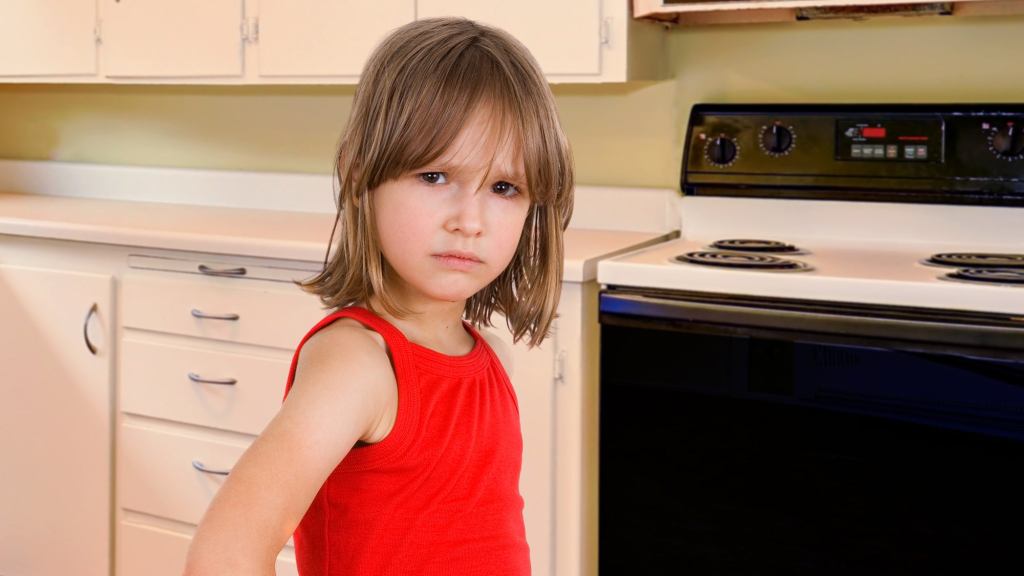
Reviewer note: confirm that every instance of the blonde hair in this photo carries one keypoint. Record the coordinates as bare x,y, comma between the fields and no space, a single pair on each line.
415,95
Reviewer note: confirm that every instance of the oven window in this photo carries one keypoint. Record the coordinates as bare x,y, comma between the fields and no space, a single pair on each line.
738,455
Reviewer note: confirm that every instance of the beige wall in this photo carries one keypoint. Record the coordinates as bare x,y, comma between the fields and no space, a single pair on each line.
622,134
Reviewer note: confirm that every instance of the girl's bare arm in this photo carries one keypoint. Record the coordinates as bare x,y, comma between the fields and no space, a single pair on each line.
343,384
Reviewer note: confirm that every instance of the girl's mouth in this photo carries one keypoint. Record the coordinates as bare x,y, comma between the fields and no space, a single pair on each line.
457,260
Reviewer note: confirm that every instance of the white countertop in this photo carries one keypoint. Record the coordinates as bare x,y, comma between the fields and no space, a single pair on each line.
240,231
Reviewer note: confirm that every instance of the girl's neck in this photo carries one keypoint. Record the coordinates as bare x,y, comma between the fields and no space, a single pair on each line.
437,326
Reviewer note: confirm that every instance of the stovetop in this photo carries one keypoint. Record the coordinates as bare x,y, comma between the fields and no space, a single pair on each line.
853,252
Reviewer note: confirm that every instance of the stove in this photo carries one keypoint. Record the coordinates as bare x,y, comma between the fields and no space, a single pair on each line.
824,372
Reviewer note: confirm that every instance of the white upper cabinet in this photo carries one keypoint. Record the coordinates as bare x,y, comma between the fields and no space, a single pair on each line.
172,38
47,37
324,37
579,41
564,36
300,41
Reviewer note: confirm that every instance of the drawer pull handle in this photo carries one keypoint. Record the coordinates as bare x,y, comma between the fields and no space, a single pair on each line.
222,272
202,468
85,328
225,381
200,314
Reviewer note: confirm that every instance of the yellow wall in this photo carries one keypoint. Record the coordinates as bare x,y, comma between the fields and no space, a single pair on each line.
622,134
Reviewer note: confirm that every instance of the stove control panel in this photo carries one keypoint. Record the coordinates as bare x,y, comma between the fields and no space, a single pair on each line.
938,153
890,139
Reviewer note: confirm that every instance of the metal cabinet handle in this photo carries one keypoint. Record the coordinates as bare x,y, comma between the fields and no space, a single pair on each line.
222,272
225,381
200,314
202,468
85,328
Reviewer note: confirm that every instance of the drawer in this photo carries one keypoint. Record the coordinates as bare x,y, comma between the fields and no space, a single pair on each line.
226,267
150,551
254,312
156,475
155,381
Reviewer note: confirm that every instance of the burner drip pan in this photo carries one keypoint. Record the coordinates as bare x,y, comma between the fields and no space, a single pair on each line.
974,260
1000,276
740,260
755,245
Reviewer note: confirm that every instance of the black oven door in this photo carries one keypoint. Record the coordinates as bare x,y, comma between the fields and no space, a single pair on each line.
770,436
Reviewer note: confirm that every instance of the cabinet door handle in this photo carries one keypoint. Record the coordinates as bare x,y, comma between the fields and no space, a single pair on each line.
222,272
202,468
200,314
225,381
85,328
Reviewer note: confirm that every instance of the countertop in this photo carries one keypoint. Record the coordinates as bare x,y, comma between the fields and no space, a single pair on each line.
240,231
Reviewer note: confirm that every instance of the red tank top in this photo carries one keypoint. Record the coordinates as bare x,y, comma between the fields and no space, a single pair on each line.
440,494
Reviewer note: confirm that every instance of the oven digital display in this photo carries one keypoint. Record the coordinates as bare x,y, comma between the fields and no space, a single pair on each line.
889,139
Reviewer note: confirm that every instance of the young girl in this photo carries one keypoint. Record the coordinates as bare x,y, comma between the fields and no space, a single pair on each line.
397,449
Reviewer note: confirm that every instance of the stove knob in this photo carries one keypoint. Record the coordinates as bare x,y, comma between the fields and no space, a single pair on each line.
776,140
721,151
1007,142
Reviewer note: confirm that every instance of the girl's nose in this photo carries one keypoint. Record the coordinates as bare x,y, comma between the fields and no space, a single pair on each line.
466,217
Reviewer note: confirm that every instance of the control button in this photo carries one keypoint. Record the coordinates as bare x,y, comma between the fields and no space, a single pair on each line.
776,140
1007,143
922,152
721,151
909,152
892,151
857,151
879,151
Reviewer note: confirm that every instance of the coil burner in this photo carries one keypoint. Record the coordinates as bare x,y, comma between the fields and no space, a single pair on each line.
755,245
977,260
1001,276
726,259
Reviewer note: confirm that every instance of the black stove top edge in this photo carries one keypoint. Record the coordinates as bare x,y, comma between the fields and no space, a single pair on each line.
837,307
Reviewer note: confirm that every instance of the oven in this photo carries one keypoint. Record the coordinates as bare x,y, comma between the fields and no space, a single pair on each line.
860,411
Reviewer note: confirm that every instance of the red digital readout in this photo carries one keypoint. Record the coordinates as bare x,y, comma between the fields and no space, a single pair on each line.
877,132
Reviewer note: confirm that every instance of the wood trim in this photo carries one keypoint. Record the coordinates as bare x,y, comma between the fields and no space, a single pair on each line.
752,11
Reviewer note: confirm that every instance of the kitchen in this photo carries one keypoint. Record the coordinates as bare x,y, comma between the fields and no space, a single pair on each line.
625,135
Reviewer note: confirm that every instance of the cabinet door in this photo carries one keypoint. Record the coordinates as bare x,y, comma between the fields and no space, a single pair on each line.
563,35
163,38
55,422
532,375
325,37
47,37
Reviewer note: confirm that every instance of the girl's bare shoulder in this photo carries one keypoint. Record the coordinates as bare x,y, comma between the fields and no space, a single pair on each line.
347,364
346,349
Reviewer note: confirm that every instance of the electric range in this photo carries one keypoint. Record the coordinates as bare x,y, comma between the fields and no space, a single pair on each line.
824,372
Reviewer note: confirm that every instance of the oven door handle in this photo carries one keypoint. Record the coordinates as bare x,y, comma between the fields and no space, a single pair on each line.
982,334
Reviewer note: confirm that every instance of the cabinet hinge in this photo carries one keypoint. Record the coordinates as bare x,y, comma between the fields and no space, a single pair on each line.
250,29
97,31
606,31
560,367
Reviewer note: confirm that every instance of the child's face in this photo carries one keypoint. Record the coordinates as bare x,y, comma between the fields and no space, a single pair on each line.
446,232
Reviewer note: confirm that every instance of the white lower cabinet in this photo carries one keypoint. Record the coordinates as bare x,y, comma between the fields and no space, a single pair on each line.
55,421
204,360
151,551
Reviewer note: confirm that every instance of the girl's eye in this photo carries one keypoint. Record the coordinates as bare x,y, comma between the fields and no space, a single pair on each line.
434,177
505,189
